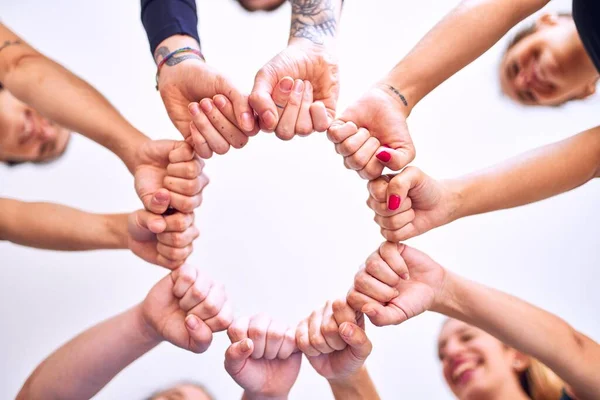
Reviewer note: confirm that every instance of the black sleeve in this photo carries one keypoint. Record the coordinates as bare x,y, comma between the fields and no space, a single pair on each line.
164,18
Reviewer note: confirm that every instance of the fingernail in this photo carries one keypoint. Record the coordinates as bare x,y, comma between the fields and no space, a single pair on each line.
245,345
347,330
393,202
247,123
269,119
194,109
384,156
220,101
206,106
286,85
298,86
191,321
405,276
160,197
396,292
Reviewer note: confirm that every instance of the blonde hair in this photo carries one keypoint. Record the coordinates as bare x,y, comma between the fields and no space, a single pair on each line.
542,383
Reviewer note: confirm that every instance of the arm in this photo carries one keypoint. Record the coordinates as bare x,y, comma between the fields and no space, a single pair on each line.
57,227
50,88
359,387
463,35
573,356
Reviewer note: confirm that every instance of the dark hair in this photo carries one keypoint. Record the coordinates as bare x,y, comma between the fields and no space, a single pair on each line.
250,9
530,29
14,163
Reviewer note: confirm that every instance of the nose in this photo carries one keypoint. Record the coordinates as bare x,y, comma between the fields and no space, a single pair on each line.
454,349
521,81
46,130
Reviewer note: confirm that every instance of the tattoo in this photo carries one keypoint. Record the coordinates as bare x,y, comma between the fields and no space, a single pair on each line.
164,51
397,93
9,43
313,20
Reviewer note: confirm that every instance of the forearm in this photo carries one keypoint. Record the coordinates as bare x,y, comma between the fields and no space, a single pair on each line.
529,329
66,99
57,227
83,366
249,396
359,387
315,21
530,177
463,35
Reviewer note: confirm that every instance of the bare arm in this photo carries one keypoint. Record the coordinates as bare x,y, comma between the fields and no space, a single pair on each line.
530,177
571,355
359,387
462,36
57,227
64,98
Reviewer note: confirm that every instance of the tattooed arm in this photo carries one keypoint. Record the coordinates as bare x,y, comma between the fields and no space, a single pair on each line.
315,20
64,98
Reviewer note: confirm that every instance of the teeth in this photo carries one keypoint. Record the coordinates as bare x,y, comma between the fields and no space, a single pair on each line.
462,368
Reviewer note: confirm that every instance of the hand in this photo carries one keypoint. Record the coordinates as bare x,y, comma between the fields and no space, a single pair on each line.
169,174
396,284
186,291
302,61
161,240
383,141
187,83
411,203
263,357
334,340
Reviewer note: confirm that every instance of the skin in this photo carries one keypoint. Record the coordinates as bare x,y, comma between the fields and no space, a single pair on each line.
26,135
261,5
548,67
186,391
477,365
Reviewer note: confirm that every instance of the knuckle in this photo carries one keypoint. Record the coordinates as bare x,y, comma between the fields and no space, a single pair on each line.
329,329
372,267
210,307
316,340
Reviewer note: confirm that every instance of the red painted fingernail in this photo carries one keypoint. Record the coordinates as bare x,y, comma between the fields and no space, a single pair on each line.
384,156
387,145
393,202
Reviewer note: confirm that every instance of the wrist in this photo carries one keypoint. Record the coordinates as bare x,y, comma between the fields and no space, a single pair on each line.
257,396
116,226
399,97
349,381
143,328
406,93
127,150
173,43
447,300
455,199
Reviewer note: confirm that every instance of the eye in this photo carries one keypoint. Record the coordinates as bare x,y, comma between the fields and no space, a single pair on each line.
465,337
514,69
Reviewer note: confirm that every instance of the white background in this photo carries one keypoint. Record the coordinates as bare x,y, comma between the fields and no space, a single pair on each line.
283,224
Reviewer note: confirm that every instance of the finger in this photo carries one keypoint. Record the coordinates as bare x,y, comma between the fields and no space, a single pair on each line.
357,339
183,279
186,187
179,239
404,233
286,127
320,118
384,315
150,221
396,221
372,170
381,270
157,202
200,334
238,330
181,153
212,108
378,188
304,125
359,160
167,263
275,336
179,222
353,143
174,253
187,170
372,287
241,106
303,340
236,356
222,320
342,312
185,204
249,124
356,301
383,210
216,142
395,159
401,184
288,347
282,93
330,329
317,340
199,142
340,131
261,101
257,332
196,293
212,304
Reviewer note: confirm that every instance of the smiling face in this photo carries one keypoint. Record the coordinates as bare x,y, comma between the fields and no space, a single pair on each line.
475,364
184,391
261,5
25,135
544,66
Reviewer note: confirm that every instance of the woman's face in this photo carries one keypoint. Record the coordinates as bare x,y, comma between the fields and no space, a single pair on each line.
183,392
27,136
474,363
541,68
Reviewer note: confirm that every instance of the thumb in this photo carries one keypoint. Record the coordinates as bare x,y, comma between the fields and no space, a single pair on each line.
262,102
400,185
158,202
200,334
396,159
357,339
150,221
236,356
